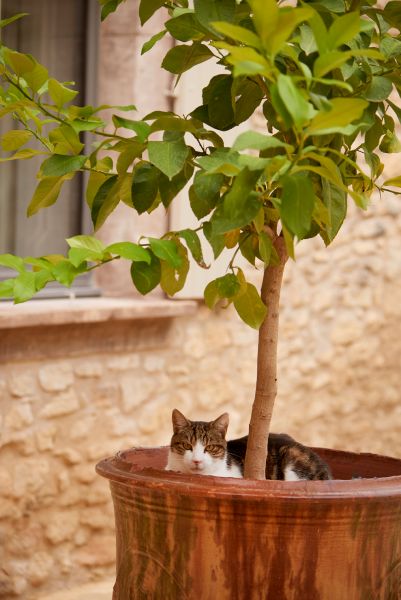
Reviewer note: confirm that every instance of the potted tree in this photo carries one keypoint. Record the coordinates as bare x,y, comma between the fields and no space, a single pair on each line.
323,74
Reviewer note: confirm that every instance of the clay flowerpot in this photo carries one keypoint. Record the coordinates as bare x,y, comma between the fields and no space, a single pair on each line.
182,537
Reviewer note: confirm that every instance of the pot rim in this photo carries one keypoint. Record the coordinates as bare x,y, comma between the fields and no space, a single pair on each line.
125,468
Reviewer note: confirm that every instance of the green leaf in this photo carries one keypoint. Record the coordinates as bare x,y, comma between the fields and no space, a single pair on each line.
288,20
343,112
173,278
222,160
147,8
297,204
205,193
343,29
14,139
60,94
24,154
185,28
65,272
7,287
265,19
20,63
146,276
390,46
250,307
265,247
390,143
248,96
228,286
169,157
131,251
194,245
59,165
12,262
299,108
392,13
258,141
145,186
240,205
169,188
166,250
37,77
332,60
141,128
240,34
5,22
66,140
209,11
181,58
46,194
153,41
211,294
393,182
216,241
77,256
379,89
109,6
220,105
335,201
105,201
87,242
24,287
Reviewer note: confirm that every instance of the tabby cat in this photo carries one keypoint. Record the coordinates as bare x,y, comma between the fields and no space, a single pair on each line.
198,447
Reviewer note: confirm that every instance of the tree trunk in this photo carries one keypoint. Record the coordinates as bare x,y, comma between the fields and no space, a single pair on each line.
266,380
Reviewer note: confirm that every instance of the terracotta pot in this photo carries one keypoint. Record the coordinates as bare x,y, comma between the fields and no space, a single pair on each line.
183,537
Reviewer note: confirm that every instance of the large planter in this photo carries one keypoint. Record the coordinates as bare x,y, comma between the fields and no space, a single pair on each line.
183,537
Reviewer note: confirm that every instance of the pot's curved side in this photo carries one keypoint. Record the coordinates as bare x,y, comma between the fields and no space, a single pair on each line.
174,542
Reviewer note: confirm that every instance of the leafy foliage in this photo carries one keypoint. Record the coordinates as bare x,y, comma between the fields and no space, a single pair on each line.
323,73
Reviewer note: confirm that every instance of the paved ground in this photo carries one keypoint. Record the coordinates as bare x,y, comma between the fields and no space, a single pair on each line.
92,591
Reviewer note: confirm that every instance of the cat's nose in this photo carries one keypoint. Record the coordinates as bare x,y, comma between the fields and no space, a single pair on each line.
197,462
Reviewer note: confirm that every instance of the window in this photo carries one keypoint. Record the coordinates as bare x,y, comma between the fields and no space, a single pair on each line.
62,36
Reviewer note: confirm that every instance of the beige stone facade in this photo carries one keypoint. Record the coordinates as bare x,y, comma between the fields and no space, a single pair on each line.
90,378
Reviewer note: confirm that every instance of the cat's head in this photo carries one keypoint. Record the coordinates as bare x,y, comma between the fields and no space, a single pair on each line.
197,446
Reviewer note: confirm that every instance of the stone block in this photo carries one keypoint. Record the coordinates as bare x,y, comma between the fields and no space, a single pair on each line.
84,473
154,362
136,390
22,385
24,543
5,482
31,476
39,568
99,551
98,493
45,437
56,377
18,417
96,518
63,404
61,527
88,369
83,428
70,455
124,362
9,509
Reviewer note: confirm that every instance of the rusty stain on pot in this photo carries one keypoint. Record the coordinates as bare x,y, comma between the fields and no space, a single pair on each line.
202,538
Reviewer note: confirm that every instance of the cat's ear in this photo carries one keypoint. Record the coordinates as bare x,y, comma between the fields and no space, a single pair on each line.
179,421
221,423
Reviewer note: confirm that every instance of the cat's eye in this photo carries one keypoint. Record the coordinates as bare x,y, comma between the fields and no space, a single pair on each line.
186,446
212,448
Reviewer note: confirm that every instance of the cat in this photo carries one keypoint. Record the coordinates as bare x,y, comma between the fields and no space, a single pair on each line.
199,447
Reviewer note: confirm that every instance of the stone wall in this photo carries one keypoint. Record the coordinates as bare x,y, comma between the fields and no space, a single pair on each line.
61,412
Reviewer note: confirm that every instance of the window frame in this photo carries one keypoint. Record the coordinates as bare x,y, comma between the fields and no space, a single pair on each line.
84,285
